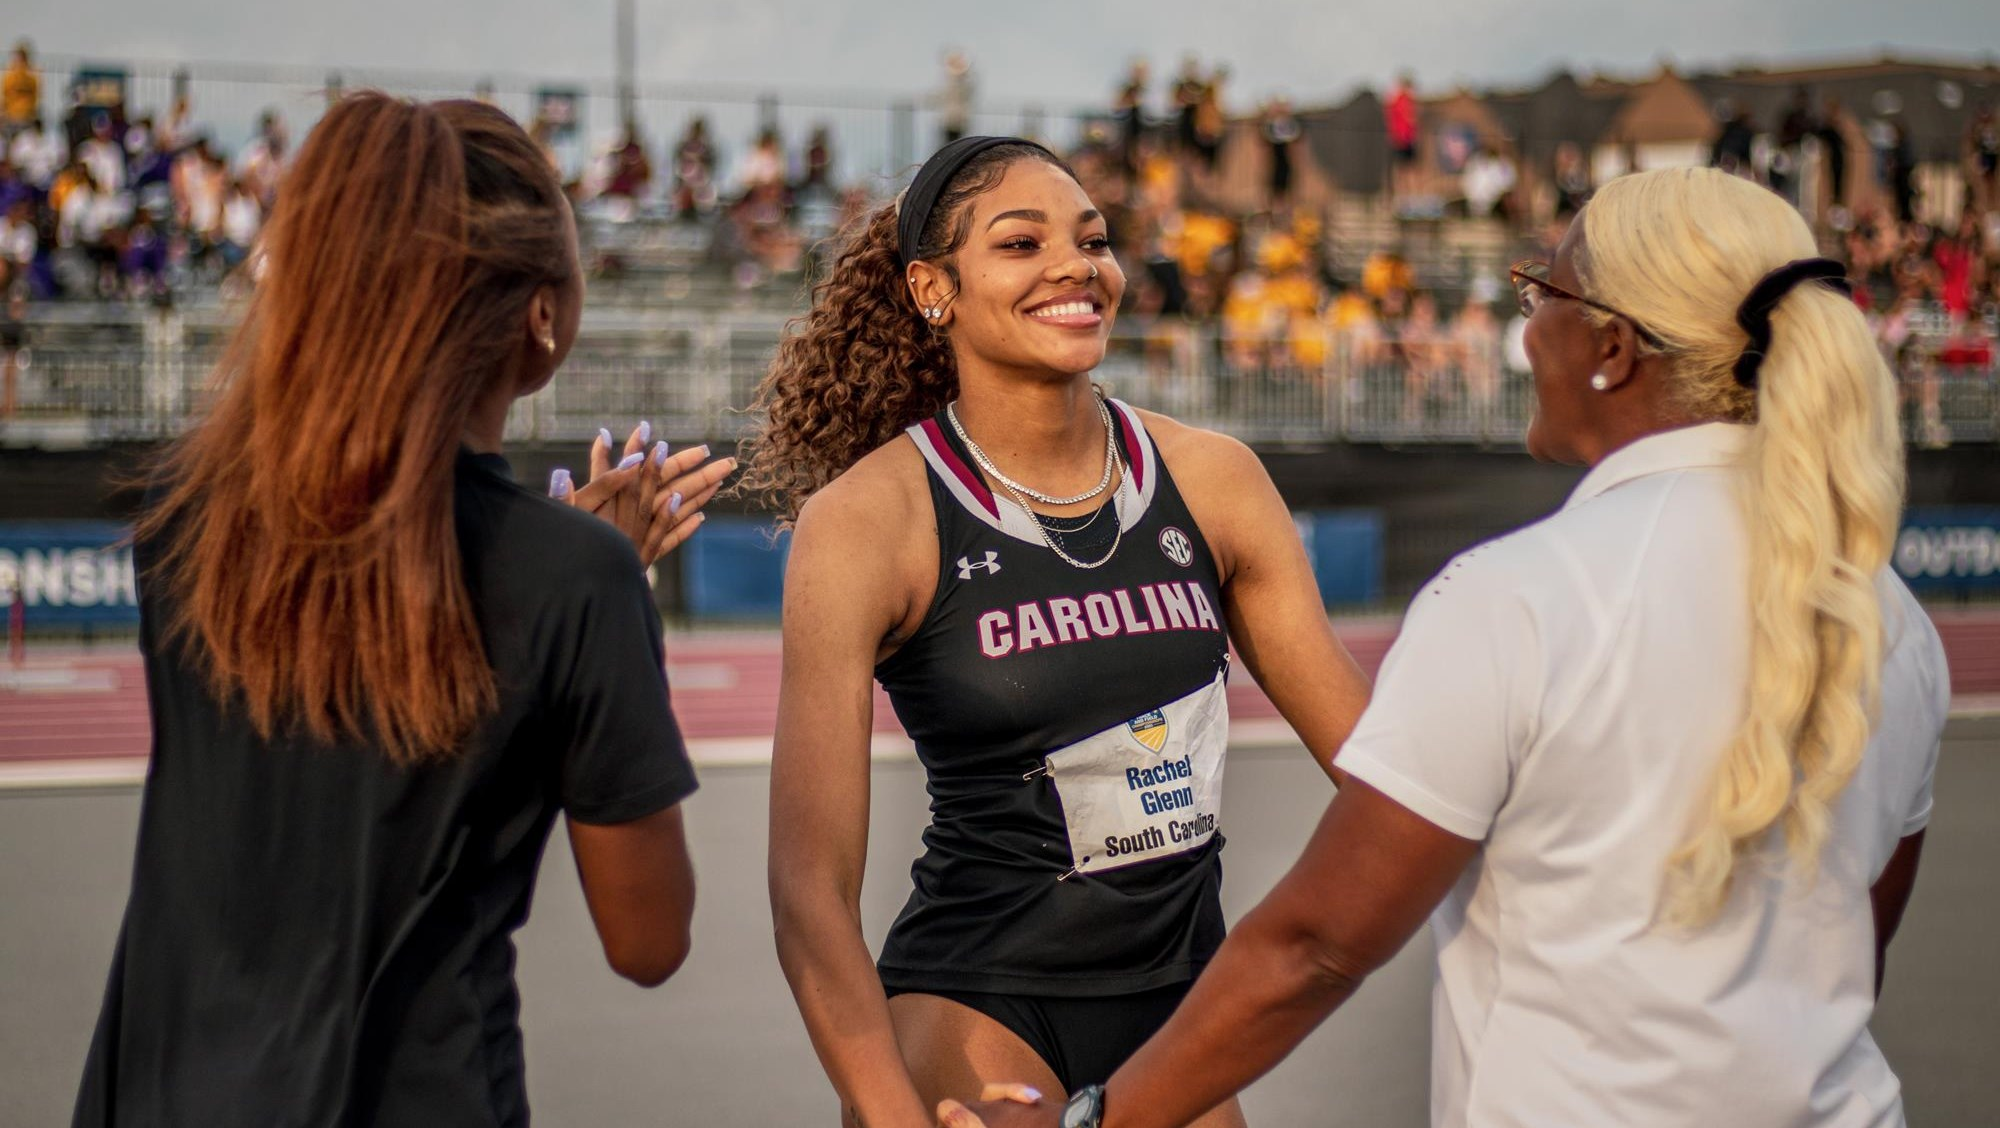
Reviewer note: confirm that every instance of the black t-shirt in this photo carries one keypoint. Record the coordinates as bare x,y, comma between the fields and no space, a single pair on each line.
1021,656
316,936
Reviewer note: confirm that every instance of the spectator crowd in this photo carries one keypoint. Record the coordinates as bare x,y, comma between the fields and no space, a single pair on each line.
1260,268
1224,233
99,204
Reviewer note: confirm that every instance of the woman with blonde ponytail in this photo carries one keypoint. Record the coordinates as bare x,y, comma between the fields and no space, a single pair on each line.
1659,765
1046,584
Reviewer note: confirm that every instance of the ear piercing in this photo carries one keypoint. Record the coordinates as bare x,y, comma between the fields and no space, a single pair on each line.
549,345
1600,381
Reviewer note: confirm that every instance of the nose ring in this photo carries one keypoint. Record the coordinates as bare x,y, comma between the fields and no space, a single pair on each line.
1093,271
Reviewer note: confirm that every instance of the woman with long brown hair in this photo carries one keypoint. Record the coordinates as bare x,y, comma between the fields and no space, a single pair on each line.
378,668
1047,584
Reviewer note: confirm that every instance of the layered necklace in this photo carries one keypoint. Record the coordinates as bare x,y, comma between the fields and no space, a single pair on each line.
1021,494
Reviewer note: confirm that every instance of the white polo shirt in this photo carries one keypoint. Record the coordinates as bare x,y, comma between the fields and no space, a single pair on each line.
1562,695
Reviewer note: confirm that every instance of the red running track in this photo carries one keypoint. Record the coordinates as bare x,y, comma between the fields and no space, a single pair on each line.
64,706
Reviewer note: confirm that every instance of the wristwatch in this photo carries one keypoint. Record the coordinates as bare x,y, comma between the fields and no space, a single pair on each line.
1085,1108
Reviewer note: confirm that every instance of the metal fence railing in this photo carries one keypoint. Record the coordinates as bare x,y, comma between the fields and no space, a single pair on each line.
874,133
696,377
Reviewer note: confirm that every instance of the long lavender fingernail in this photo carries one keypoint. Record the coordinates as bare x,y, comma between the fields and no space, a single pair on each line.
559,483
645,432
674,506
631,460
660,453
604,436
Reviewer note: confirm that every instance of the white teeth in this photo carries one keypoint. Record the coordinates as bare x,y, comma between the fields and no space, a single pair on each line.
1066,309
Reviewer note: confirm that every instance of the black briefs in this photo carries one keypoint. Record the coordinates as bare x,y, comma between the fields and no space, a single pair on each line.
1082,1040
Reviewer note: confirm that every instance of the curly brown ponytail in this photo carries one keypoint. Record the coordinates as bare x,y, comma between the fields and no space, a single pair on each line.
861,366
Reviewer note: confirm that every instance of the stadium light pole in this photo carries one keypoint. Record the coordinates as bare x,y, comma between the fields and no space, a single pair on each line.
628,97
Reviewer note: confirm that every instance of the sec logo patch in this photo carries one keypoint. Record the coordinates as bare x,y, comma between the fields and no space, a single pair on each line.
1177,546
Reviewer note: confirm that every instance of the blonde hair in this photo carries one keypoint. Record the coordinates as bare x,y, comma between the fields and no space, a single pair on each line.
1823,486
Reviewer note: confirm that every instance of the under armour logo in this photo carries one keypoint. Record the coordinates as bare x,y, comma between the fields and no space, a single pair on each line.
990,564
1177,546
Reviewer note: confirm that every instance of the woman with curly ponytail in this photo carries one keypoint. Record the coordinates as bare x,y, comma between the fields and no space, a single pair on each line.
1046,584
857,372
1661,762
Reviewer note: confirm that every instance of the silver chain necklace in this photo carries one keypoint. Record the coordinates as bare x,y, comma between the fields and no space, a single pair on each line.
986,464
1117,533
1020,494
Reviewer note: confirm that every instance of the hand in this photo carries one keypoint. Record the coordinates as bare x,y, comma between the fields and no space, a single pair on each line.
687,482
1001,1106
621,494
651,497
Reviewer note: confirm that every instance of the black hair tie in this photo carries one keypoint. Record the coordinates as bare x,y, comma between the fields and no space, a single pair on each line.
1754,315
913,209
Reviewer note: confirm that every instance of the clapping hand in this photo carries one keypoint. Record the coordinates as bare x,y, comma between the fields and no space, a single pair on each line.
687,480
652,496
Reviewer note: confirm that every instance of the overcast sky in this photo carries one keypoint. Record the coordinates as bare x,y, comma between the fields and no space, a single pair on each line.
1032,50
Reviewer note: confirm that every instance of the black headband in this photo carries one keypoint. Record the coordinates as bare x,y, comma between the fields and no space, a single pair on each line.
1754,315
913,208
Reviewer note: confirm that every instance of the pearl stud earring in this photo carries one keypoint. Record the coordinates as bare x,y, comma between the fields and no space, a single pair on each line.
1600,381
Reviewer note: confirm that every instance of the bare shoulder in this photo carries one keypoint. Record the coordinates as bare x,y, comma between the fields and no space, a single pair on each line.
882,495
1226,488
1196,454
868,541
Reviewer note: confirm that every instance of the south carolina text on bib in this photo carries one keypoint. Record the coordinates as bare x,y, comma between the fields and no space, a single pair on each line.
1149,788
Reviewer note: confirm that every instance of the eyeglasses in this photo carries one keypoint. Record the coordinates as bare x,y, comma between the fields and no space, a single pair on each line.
1531,282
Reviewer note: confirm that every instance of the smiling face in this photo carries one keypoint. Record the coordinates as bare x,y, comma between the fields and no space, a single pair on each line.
1026,297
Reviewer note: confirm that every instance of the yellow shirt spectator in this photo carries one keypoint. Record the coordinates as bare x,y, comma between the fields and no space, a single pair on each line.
1294,291
1348,310
1247,310
21,92
1200,235
67,181
1385,272
1309,341
1159,180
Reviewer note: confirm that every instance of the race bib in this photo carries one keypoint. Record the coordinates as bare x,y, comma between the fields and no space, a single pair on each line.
1149,788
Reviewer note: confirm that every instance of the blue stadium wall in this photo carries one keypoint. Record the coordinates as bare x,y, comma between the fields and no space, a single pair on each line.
1420,506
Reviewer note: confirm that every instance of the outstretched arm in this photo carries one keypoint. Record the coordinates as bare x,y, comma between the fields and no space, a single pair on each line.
1276,620
1369,877
839,606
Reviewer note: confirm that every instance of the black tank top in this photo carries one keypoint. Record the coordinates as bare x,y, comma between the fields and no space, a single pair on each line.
1020,655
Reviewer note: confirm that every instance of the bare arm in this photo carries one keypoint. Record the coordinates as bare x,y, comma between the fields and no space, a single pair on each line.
839,606
639,883
1275,616
1369,877
1890,895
